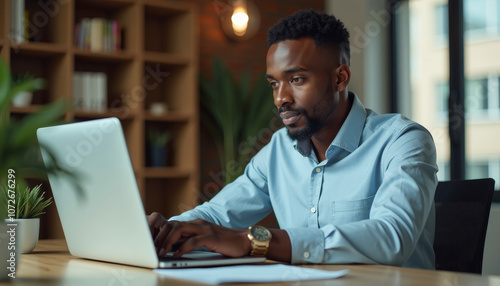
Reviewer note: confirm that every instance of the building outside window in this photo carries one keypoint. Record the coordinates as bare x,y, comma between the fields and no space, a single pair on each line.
429,77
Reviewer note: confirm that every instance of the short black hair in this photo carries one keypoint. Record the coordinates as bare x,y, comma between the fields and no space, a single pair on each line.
325,30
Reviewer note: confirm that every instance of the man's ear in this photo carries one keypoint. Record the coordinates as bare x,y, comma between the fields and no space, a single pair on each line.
343,76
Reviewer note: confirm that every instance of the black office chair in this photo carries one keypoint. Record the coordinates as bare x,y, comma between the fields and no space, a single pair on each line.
462,213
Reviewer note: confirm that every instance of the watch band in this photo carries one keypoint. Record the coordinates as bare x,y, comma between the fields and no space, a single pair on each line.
259,249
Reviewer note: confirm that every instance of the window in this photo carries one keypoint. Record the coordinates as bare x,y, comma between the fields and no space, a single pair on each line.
429,81
442,22
481,98
476,15
481,19
443,91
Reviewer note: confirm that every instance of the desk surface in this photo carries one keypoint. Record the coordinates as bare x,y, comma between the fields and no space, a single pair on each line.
51,264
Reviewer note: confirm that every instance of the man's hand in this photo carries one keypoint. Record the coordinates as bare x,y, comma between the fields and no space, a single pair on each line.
197,233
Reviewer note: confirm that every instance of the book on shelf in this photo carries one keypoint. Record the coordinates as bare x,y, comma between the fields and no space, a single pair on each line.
90,91
17,21
98,35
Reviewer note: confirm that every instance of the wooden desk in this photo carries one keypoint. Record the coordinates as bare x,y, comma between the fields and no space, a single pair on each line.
51,264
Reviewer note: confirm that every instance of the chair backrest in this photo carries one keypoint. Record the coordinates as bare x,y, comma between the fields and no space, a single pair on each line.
462,213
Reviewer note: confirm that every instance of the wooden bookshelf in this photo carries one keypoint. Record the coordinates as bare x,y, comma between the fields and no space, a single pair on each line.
158,62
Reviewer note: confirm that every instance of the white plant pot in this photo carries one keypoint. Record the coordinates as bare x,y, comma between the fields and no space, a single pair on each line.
10,253
29,229
22,99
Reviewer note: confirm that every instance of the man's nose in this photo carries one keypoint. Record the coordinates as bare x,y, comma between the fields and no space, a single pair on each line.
282,96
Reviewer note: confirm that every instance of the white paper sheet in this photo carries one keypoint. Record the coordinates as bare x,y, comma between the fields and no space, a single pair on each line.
250,274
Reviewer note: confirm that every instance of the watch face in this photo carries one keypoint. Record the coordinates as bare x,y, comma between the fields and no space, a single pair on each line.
260,233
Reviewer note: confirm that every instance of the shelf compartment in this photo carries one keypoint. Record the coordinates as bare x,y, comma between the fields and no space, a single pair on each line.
48,21
124,98
163,19
122,11
173,85
166,155
47,65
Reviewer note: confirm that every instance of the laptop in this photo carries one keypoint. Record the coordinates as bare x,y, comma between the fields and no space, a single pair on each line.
103,217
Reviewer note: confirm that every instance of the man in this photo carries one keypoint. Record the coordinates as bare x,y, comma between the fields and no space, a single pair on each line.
346,185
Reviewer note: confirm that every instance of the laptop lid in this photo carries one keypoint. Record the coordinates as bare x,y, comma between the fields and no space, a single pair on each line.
105,219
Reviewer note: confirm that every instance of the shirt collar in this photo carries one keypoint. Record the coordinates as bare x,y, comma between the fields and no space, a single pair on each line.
349,134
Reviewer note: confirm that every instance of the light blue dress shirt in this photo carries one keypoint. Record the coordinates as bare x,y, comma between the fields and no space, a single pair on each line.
371,201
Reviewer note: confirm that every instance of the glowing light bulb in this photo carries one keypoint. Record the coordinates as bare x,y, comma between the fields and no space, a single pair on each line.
240,21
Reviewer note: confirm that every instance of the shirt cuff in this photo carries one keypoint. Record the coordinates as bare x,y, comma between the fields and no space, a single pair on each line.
308,245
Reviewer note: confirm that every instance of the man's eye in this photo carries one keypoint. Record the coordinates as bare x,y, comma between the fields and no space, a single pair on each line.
273,84
296,79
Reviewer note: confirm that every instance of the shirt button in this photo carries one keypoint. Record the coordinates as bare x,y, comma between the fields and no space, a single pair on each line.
318,170
306,254
313,209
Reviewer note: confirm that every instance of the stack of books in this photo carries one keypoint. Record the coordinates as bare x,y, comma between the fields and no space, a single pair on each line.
90,91
98,35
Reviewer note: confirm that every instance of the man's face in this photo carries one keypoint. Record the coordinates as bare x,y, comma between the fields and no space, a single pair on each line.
303,79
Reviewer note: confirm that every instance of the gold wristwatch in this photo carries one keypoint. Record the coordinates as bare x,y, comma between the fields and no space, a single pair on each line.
260,237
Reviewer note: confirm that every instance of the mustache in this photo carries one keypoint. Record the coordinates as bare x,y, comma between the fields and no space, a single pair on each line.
288,108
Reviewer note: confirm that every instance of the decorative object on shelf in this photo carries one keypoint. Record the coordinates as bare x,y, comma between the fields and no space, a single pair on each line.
22,98
28,205
158,142
241,21
158,108
237,115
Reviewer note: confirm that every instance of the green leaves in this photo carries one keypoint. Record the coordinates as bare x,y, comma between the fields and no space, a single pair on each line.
19,148
29,203
158,138
234,113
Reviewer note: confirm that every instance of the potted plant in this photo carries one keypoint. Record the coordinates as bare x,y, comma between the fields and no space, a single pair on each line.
28,205
235,112
23,97
157,141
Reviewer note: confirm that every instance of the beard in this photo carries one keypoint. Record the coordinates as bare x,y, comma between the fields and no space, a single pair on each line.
313,125
316,122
